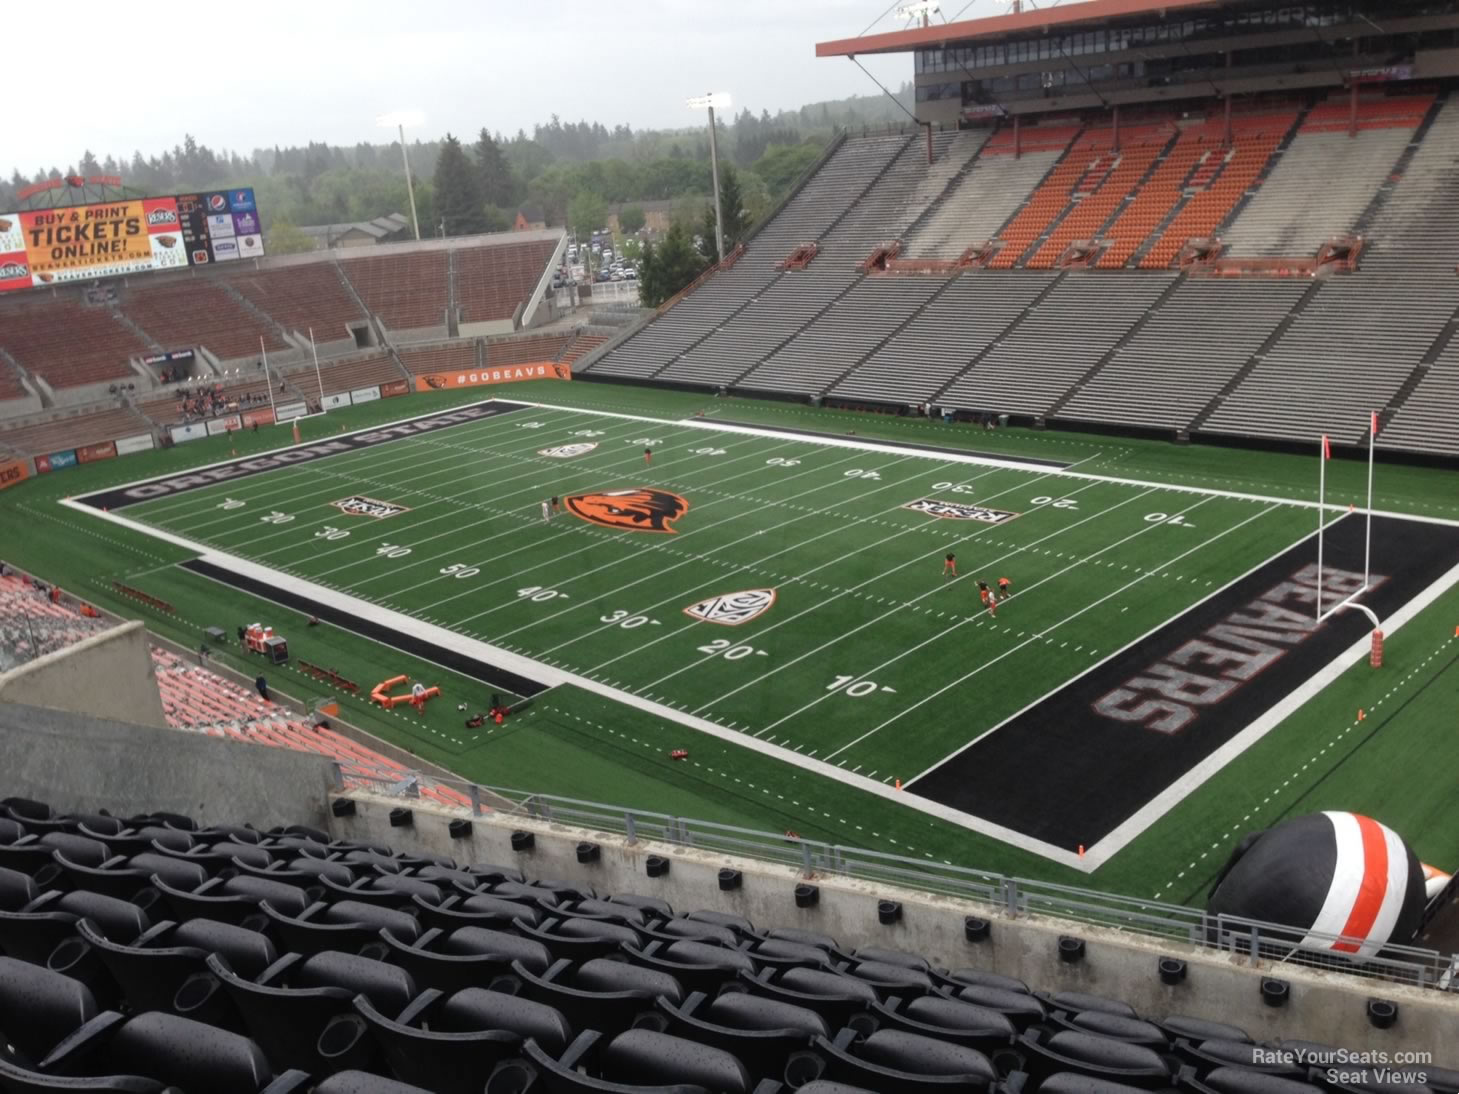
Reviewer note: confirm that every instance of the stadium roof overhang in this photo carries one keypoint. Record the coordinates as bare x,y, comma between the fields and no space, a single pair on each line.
1031,21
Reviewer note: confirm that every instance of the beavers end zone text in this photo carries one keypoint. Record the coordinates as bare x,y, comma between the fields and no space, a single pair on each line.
791,592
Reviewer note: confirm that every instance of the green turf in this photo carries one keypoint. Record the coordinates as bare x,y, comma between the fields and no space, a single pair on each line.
860,597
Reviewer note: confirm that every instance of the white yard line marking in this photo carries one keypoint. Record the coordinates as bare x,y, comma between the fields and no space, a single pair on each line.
1067,619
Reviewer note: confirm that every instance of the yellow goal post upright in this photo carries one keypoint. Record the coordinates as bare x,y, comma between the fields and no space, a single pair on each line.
1349,602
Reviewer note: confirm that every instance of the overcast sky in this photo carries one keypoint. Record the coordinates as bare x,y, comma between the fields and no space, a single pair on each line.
300,70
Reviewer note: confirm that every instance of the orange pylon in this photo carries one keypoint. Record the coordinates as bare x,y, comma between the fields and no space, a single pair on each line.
1081,850
1361,715
898,785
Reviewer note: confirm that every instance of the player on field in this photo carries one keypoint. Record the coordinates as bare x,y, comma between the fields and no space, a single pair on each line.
989,601
546,511
949,565
554,505
648,457
1004,592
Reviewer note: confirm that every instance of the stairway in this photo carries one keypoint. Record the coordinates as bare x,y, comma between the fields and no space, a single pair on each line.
1145,317
1420,370
132,325
1278,332
891,160
1009,328
250,306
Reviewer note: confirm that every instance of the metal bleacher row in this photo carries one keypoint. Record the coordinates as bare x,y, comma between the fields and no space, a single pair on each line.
149,953
1051,284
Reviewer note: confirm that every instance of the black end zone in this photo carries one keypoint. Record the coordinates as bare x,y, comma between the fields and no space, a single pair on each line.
1073,767
491,675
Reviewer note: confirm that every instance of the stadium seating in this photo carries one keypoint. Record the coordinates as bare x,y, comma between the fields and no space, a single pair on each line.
311,294
32,625
533,347
146,951
406,289
1282,219
74,430
10,385
182,313
349,374
67,342
168,408
584,341
493,281
443,358
195,698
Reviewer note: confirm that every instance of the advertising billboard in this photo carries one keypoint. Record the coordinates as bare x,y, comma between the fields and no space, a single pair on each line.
42,247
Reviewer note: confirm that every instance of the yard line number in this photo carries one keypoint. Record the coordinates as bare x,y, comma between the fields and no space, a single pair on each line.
860,689
539,594
460,569
276,518
723,647
781,461
331,533
626,620
391,550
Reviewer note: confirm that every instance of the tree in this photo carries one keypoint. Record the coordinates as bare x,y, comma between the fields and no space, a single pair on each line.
458,197
631,218
586,213
782,164
732,212
498,187
285,239
666,269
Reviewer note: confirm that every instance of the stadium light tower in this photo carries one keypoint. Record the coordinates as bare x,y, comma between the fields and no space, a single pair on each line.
708,102
398,120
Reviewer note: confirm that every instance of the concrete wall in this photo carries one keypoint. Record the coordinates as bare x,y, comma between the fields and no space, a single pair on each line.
1324,1007
76,763
486,328
109,675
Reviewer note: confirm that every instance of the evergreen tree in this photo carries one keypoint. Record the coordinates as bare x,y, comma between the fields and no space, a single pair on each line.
666,269
498,187
732,210
458,198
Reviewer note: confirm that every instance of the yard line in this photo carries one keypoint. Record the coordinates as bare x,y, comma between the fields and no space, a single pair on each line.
1067,619
402,447
630,458
310,488
1023,593
639,554
885,573
932,522
540,562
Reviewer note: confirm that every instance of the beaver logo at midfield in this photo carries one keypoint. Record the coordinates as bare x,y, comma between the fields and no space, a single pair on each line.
643,510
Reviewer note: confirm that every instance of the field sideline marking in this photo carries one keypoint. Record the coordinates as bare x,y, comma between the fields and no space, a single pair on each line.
529,667
1011,462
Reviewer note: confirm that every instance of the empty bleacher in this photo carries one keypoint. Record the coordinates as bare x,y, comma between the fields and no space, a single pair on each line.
493,281
350,374
67,342
32,625
73,430
1185,353
449,357
1063,336
990,191
198,311
1220,178
299,297
520,350
1428,420
1363,337
948,333
10,385
846,332
584,341
1283,219
406,290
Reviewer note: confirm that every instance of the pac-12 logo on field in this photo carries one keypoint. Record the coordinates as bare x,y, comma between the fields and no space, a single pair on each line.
956,510
643,510
732,609
369,507
568,451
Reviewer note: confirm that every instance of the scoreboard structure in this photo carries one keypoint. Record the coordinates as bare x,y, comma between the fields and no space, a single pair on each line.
40,247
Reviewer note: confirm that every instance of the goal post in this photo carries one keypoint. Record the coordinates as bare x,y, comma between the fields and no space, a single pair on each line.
1351,600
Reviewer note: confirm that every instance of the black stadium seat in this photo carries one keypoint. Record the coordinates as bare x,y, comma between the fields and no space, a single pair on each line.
149,954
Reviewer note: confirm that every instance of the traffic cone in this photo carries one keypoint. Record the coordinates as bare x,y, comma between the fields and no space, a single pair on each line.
1361,715
1456,632
898,785
1081,850
1352,508
296,432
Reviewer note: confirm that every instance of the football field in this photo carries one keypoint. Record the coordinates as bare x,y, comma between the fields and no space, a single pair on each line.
791,590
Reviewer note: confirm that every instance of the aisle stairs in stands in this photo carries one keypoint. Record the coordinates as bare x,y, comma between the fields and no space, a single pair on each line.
1008,329
871,185
1420,371
1277,334
249,305
1109,355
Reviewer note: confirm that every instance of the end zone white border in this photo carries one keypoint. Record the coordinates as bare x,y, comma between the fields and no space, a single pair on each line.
1094,856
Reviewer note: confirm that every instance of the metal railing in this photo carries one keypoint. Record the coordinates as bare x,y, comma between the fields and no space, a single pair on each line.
999,894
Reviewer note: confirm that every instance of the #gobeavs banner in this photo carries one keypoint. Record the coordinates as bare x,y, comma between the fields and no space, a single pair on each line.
83,242
504,374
